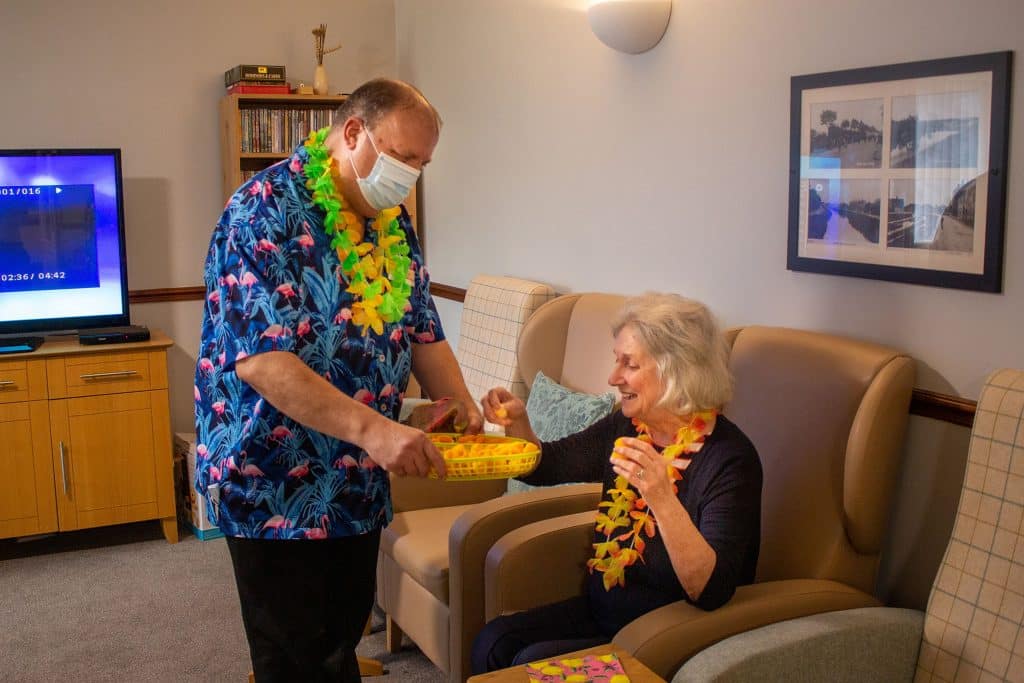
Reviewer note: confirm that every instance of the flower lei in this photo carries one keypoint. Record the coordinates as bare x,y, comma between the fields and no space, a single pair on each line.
377,274
627,509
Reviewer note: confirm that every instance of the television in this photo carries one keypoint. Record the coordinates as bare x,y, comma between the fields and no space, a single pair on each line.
62,248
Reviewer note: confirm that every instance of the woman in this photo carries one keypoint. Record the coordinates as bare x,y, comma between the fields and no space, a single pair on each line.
681,514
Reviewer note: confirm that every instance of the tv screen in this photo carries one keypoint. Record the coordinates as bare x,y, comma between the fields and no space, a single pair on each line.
62,259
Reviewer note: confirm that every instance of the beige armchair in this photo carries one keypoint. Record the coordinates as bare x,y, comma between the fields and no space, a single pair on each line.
972,628
430,575
827,415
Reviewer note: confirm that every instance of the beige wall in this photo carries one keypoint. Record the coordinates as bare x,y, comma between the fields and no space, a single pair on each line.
566,162
146,77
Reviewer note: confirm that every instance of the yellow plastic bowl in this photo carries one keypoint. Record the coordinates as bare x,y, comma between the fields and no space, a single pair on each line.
484,456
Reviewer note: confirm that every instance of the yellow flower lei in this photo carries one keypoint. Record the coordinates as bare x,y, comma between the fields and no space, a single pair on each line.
377,274
627,509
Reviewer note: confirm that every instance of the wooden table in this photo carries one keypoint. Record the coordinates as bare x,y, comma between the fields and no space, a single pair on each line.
637,672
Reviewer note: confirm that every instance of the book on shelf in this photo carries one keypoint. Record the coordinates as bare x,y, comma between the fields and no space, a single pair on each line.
259,89
270,128
254,72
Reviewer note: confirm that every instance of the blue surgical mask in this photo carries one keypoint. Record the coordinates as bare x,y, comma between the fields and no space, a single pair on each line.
389,182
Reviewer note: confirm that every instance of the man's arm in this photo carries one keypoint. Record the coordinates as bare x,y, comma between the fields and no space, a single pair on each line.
439,374
298,392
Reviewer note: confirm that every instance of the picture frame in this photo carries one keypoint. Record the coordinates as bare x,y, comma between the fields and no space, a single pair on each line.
899,172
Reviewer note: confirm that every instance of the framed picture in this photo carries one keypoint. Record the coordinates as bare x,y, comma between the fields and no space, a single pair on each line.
899,172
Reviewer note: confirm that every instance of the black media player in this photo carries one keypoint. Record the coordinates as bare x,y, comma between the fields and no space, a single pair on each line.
114,335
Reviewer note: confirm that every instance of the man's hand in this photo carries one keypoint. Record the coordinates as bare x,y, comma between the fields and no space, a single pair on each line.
468,419
402,450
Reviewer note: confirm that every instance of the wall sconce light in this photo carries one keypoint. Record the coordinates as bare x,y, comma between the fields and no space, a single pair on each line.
632,26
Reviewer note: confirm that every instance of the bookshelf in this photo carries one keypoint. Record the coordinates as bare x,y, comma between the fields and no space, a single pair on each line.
259,130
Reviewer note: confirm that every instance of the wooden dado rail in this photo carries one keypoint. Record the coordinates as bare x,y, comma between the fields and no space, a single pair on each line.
925,403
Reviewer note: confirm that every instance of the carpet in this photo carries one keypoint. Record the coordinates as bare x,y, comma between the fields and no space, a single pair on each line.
122,604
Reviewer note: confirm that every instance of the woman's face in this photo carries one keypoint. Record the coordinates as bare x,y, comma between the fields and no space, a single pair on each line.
635,375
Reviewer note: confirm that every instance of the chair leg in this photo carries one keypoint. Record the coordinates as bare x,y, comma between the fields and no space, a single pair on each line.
392,635
367,666
370,667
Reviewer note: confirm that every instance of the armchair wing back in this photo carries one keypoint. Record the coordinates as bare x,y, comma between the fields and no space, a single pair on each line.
493,315
827,415
569,339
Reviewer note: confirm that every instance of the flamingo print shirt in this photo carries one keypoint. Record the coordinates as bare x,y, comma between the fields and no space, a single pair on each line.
273,283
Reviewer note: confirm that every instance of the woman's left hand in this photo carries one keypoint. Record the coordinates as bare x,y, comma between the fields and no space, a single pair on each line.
644,468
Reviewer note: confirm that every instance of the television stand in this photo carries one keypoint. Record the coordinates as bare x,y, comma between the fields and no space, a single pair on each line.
19,344
85,438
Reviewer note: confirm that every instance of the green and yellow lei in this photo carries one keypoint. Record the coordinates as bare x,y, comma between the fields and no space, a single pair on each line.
377,275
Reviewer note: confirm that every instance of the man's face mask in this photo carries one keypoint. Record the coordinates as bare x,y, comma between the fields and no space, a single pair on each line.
389,182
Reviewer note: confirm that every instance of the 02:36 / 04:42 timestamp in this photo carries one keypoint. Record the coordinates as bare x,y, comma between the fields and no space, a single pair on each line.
24,277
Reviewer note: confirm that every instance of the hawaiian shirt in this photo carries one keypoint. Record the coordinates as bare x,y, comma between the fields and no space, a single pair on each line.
273,283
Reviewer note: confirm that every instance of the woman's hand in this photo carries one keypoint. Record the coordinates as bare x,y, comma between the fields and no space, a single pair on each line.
502,408
645,469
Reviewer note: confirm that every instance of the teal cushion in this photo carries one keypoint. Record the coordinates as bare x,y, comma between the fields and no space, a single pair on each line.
556,412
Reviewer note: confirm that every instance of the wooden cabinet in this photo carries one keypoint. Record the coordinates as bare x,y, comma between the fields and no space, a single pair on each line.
86,433
27,504
259,130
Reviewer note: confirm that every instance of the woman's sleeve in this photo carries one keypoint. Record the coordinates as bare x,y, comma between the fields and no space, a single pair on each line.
579,457
731,521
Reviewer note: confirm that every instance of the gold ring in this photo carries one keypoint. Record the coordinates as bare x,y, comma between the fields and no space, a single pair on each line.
640,473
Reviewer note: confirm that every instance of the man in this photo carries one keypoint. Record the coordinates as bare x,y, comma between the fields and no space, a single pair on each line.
318,306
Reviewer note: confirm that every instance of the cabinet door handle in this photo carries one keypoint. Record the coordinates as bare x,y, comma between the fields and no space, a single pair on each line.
109,375
63,466
7,383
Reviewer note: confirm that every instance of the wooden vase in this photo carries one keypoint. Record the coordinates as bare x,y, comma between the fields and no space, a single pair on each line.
320,86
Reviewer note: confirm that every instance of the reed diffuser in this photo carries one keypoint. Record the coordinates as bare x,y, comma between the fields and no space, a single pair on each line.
320,86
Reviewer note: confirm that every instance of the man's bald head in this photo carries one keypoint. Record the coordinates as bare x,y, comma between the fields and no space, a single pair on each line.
375,99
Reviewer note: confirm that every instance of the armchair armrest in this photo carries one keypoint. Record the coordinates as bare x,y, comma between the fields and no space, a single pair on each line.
554,550
416,493
850,646
473,534
665,638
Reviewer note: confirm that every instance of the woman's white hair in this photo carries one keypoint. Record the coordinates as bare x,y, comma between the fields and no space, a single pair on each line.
691,354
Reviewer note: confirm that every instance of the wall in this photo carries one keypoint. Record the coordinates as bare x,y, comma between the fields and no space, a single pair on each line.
566,162
147,77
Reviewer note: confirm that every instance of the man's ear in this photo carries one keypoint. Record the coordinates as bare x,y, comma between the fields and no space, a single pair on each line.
350,131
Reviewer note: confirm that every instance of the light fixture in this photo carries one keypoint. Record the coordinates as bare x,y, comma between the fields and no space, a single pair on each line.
632,26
